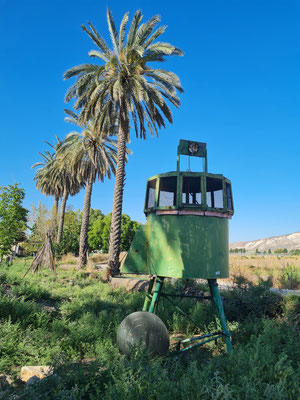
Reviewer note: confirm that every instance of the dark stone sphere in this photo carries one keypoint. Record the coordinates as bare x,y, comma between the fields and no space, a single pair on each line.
143,329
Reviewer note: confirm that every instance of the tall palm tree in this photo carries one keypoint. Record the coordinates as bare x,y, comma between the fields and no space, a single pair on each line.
127,86
46,177
71,186
89,155
55,179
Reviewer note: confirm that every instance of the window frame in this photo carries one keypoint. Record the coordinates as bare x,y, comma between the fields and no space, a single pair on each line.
227,181
179,187
175,206
147,194
220,177
180,192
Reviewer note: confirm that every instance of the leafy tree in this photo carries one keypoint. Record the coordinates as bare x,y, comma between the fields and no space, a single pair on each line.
12,217
39,222
71,234
100,231
269,251
126,87
95,214
280,251
89,155
295,252
98,235
128,230
237,250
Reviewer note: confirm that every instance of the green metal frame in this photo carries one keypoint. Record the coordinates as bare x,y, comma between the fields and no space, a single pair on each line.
183,149
151,302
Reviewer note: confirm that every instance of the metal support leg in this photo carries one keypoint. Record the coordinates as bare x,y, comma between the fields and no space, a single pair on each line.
148,295
220,312
155,296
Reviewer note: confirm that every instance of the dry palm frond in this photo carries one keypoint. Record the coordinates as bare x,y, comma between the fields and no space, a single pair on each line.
43,258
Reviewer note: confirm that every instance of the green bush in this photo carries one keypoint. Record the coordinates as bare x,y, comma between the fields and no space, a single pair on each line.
247,300
280,251
295,252
290,277
292,310
99,232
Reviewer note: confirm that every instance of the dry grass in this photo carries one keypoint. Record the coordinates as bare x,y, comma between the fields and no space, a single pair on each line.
254,267
68,259
99,257
103,257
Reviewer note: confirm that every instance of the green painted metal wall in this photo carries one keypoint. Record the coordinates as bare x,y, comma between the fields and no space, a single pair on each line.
136,260
180,246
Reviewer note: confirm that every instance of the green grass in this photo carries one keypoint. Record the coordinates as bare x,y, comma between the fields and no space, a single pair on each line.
72,323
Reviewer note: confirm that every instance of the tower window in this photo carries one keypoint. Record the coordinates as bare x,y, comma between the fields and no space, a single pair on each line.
229,196
214,193
151,193
191,191
167,191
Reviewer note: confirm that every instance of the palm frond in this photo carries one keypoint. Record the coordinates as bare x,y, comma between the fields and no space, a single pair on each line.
137,18
112,30
96,53
122,32
145,30
79,69
154,36
96,38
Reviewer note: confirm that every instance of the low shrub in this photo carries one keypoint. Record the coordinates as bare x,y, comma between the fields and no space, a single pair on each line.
247,300
290,278
292,310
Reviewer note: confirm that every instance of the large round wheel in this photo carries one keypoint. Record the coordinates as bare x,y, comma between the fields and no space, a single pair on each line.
143,329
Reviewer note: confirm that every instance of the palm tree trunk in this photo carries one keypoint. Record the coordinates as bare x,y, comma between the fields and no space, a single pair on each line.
115,230
83,245
62,215
55,207
54,216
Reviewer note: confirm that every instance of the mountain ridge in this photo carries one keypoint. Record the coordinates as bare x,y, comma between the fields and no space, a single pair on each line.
290,241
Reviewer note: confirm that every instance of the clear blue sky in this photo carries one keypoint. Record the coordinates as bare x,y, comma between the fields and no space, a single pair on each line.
241,78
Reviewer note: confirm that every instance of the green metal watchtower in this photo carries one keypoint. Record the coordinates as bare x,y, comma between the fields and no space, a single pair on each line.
186,234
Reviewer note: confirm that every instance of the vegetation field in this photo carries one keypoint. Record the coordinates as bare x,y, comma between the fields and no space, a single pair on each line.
282,270
71,324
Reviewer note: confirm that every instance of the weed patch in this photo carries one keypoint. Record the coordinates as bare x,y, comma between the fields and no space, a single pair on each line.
290,277
78,338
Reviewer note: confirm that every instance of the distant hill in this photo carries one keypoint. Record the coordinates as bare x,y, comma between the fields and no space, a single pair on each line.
289,242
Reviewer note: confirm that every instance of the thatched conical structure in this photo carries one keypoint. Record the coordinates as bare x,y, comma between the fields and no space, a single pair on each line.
44,258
